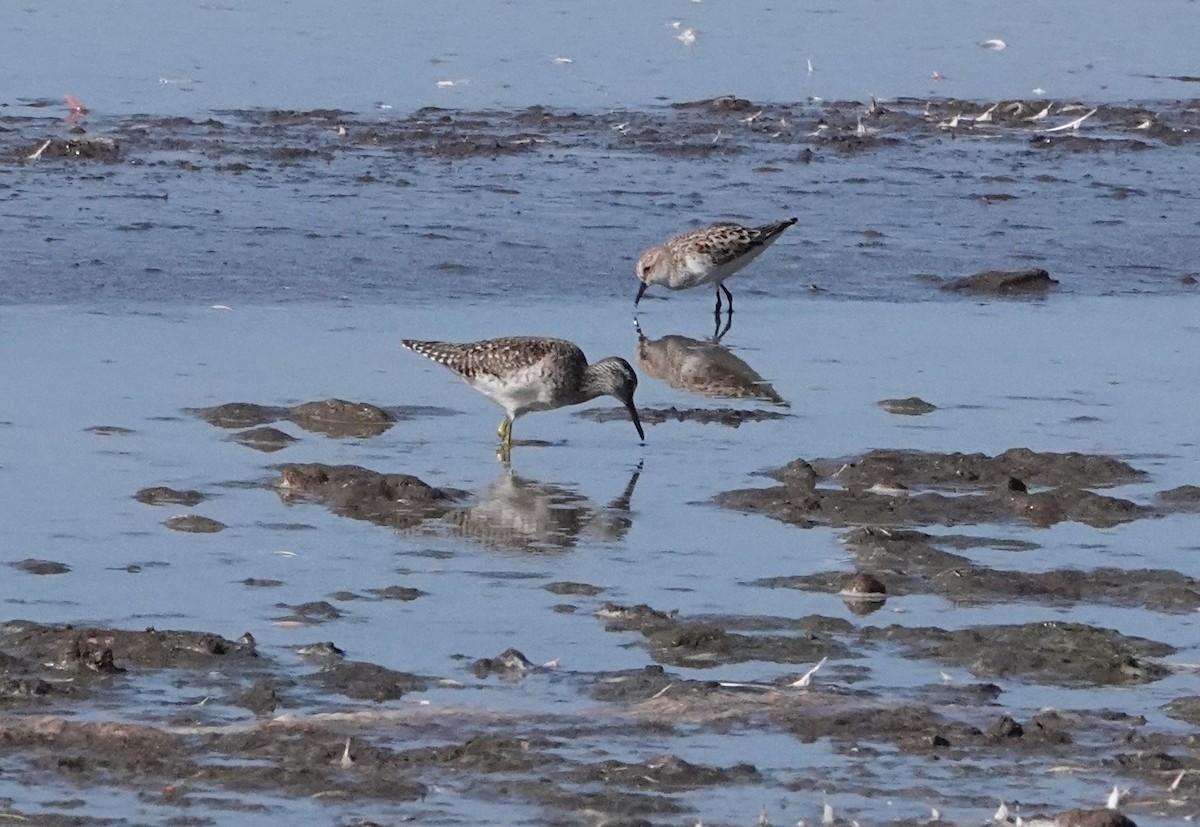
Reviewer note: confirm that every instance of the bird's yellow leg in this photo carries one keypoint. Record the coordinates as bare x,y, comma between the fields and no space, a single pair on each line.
505,433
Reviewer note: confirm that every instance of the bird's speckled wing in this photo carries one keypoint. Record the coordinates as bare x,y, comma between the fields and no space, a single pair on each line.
722,243
494,357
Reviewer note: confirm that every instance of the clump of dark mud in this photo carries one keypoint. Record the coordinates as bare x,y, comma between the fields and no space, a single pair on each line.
709,642
890,487
1003,283
31,565
265,439
385,751
1064,654
77,148
729,417
395,500
331,417
87,653
109,430
240,414
238,140
1052,653
368,681
194,524
510,664
159,495
911,406
913,562
338,418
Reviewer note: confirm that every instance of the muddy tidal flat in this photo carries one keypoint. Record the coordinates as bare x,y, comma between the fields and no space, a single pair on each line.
912,536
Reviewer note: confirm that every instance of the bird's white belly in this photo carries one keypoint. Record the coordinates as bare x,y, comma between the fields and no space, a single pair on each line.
699,269
518,392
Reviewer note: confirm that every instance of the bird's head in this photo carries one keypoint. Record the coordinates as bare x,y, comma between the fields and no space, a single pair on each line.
613,376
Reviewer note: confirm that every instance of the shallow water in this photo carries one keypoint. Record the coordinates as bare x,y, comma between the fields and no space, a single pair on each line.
70,369
199,55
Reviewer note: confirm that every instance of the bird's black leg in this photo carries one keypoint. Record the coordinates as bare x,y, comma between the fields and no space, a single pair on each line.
728,296
718,310
718,333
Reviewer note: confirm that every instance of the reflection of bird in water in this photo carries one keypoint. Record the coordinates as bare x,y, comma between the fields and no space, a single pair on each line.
705,256
532,373
700,367
518,514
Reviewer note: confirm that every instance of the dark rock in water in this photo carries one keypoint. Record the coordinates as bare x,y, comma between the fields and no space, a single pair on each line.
721,103
332,417
639,618
25,689
958,471
708,642
564,587
1093,818
261,583
368,681
1184,709
405,593
109,430
396,500
917,563
912,406
194,523
511,663
41,566
161,494
265,439
1051,653
315,611
1005,728
730,417
1182,498
668,773
875,490
865,586
148,649
81,148
323,652
339,418
797,474
1003,283
863,594
262,698
239,414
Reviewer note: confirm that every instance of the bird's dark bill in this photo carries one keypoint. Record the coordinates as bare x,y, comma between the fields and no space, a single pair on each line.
641,290
637,423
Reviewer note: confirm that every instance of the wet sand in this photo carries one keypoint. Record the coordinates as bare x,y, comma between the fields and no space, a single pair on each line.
899,200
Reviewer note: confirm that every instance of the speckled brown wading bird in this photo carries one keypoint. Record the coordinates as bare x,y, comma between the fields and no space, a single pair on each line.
706,256
532,373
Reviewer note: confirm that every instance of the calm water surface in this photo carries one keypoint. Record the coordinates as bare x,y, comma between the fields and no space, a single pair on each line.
141,56
1074,376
